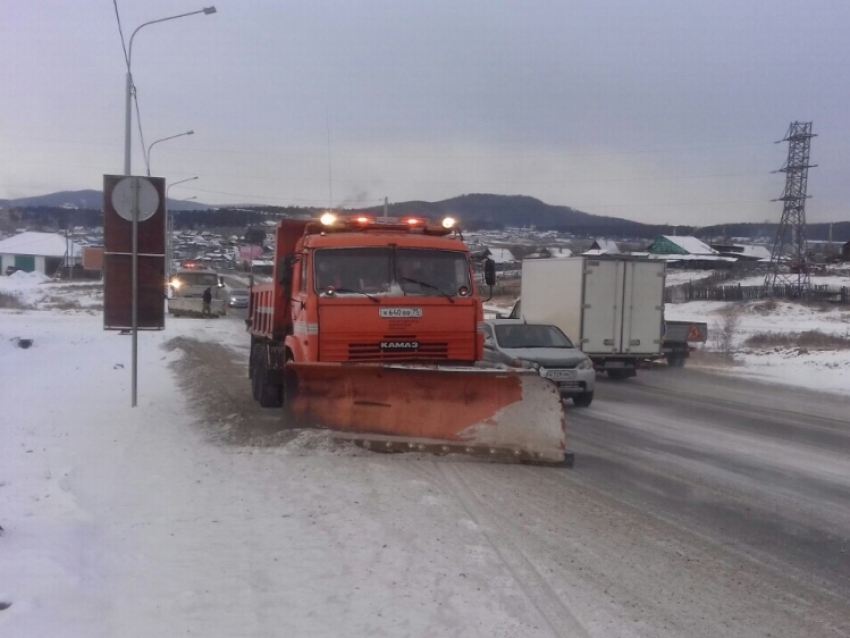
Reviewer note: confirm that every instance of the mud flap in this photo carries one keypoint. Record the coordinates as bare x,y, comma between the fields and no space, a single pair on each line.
442,409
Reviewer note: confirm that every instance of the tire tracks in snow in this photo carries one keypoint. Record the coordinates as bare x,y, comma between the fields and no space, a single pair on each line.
554,611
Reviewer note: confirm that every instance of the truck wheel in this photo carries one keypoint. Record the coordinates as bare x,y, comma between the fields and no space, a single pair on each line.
675,361
619,374
583,400
255,373
270,394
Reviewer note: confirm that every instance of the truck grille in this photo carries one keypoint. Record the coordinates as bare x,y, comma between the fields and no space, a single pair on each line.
374,352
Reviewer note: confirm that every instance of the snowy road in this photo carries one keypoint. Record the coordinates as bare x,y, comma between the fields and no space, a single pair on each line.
698,506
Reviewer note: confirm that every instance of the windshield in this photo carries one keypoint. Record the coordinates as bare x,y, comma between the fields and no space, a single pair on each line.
399,272
530,336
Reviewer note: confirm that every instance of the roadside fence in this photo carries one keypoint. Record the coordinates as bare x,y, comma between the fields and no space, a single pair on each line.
690,292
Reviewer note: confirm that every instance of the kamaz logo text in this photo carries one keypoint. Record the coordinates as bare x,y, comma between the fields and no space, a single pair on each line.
399,345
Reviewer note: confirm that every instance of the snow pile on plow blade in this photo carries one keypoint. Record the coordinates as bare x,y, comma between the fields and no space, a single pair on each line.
430,409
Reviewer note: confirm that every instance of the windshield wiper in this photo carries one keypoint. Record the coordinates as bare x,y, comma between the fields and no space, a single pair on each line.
356,292
427,285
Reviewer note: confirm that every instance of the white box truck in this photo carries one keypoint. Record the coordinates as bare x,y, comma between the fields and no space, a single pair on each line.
612,308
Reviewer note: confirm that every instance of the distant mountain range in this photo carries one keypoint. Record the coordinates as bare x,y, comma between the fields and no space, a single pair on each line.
84,200
475,211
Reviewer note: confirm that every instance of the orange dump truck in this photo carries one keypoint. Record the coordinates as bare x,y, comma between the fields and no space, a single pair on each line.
371,327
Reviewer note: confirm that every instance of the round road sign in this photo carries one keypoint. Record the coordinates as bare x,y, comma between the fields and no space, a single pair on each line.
124,196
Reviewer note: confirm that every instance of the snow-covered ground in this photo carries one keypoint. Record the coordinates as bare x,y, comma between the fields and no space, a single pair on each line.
678,277
824,369
837,276
123,521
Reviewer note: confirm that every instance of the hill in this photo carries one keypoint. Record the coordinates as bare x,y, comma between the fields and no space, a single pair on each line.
83,200
475,211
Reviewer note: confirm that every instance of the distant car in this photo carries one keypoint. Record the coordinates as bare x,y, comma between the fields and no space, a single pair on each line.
544,348
237,299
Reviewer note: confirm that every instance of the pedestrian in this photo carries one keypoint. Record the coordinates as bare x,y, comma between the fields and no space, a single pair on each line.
206,309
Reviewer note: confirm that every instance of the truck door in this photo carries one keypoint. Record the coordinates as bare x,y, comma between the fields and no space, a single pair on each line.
603,302
643,308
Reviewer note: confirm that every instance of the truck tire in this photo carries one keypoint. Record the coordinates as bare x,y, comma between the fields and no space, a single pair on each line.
254,373
269,393
620,374
583,400
676,361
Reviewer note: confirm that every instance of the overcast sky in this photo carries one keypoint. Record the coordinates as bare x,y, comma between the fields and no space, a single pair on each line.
658,111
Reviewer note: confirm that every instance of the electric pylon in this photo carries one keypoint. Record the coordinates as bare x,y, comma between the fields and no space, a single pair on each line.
788,262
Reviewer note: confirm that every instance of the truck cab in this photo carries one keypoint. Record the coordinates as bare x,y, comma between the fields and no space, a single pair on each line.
368,289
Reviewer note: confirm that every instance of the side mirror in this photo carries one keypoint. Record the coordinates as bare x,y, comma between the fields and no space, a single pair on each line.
490,272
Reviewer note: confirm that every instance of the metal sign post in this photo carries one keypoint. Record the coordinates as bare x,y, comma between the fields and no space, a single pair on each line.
136,200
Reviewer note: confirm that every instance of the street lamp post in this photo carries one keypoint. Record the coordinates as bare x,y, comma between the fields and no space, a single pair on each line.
128,118
128,112
169,226
164,139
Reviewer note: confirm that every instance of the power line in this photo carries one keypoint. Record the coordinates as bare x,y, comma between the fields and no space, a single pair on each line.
396,156
121,33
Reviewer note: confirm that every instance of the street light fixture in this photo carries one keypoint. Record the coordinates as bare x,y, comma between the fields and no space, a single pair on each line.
128,113
169,227
164,139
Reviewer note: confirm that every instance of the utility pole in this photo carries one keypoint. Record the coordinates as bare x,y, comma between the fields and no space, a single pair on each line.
788,261
386,206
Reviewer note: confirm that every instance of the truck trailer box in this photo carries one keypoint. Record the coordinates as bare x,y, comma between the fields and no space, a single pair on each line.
611,307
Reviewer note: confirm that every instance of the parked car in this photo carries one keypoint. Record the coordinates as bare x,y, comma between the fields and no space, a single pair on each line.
237,299
544,348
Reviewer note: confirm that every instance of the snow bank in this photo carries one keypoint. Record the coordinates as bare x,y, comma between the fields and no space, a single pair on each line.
28,278
827,370
36,291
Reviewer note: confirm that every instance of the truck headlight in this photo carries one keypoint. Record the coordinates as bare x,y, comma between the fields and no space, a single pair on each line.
587,364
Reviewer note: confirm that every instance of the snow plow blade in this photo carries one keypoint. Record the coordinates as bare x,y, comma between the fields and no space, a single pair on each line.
478,411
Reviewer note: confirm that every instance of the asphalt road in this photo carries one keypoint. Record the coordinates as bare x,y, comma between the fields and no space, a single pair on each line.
699,505
760,472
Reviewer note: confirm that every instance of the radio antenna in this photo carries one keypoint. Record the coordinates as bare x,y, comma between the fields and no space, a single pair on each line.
330,181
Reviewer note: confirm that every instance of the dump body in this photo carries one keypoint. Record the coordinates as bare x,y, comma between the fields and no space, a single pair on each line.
612,307
374,331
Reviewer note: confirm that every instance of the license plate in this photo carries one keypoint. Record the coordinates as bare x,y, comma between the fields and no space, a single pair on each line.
400,313
561,374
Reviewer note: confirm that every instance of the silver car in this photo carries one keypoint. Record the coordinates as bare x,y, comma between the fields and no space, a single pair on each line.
237,299
543,348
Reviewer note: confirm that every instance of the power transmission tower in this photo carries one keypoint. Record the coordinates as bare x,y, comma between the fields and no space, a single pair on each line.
788,261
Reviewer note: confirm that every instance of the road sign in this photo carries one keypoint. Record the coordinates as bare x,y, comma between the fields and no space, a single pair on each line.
118,252
694,333
124,198
133,207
